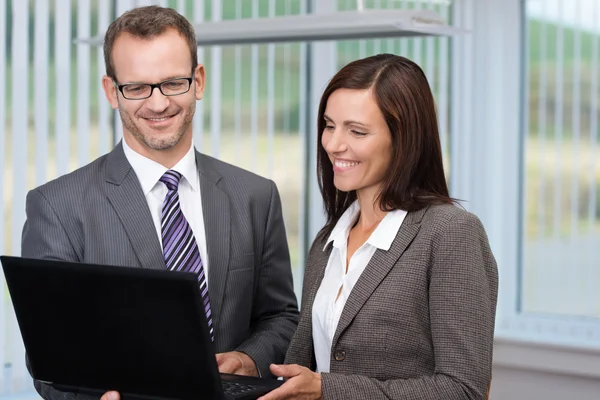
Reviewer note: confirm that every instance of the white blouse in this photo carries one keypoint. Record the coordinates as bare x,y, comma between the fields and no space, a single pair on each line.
327,309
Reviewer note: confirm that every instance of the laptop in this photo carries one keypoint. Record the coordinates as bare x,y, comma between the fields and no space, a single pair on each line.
90,328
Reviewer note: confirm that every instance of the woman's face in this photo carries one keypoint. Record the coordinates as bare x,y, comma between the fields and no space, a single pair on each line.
357,140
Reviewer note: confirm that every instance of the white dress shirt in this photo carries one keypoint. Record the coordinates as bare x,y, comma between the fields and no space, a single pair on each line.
149,172
328,306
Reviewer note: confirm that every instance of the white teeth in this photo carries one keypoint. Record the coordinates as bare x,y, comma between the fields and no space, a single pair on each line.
343,164
158,119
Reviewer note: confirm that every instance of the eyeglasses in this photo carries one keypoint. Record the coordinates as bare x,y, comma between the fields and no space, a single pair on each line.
141,91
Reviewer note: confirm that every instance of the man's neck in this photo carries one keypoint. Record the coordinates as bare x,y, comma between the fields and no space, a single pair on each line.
167,158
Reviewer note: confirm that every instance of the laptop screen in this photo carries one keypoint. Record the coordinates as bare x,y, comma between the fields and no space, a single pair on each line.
94,327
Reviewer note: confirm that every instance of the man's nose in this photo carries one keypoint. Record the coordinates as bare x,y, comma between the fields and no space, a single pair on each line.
157,101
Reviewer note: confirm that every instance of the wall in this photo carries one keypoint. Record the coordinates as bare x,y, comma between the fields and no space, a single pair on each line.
521,384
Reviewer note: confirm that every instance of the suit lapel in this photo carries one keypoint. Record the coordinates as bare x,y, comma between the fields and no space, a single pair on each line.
125,194
216,214
377,269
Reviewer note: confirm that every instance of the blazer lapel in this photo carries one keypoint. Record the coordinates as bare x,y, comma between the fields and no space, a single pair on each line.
216,213
378,267
125,194
318,262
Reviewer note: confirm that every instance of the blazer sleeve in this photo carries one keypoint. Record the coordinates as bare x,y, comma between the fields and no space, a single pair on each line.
462,303
275,309
44,235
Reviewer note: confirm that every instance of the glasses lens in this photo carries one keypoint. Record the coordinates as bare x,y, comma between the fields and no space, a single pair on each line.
175,87
136,91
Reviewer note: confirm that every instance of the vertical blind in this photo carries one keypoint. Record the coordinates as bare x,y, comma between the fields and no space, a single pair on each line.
54,117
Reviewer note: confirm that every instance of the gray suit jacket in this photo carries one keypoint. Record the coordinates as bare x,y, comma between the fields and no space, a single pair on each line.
419,323
98,214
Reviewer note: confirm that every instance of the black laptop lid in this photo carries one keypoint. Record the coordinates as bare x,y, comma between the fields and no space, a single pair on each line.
134,330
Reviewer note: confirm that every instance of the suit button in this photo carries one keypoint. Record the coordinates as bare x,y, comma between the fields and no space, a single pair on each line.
340,355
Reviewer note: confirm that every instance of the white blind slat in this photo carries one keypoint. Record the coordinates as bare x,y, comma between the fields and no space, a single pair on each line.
542,123
576,128
19,156
430,58
270,98
390,43
198,122
122,6
303,134
417,43
62,60
287,48
592,205
83,83
442,98
141,3
20,127
237,82
41,62
216,62
105,141
377,42
181,7
558,127
254,81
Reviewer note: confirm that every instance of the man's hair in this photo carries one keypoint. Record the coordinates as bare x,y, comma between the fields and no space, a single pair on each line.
147,23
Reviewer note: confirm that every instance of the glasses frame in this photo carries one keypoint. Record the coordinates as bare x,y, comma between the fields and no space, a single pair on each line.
152,87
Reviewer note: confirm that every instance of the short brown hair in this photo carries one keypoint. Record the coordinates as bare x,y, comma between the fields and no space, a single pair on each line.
415,176
148,22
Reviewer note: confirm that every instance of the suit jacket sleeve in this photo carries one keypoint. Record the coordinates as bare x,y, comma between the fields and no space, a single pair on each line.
462,293
275,309
44,237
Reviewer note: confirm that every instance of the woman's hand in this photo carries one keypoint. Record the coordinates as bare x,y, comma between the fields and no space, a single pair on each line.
301,383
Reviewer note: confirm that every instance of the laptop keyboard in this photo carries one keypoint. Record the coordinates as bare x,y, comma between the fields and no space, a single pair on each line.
236,388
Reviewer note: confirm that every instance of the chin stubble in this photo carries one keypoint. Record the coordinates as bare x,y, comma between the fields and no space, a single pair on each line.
162,142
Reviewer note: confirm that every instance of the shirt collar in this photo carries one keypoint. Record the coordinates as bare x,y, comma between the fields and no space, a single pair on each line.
382,237
149,172
385,233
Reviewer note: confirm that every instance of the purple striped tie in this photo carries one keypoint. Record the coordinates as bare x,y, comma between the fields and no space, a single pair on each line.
179,245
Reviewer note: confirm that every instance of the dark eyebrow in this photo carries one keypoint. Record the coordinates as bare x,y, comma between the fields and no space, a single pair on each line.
352,122
348,122
164,80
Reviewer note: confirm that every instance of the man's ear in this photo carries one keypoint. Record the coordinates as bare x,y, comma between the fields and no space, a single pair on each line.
199,79
110,91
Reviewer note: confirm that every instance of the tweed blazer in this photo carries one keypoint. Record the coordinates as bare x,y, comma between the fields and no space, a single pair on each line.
98,214
419,323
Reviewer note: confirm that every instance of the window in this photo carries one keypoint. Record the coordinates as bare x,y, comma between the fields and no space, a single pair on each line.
561,226
54,117
535,180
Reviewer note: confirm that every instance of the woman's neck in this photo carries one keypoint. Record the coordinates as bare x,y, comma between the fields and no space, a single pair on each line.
370,212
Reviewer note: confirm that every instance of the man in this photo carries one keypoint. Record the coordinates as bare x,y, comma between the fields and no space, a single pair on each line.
154,201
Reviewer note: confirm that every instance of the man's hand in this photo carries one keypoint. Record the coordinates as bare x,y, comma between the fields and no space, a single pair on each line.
301,384
235,362
112,395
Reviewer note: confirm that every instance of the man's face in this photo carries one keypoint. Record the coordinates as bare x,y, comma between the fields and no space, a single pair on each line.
159,124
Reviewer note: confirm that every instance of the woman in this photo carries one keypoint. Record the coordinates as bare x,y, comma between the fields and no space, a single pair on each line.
400,286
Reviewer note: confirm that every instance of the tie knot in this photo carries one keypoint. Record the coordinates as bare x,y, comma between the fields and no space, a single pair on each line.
171,179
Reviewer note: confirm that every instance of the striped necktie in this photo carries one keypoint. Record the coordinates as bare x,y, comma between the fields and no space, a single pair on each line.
179,245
